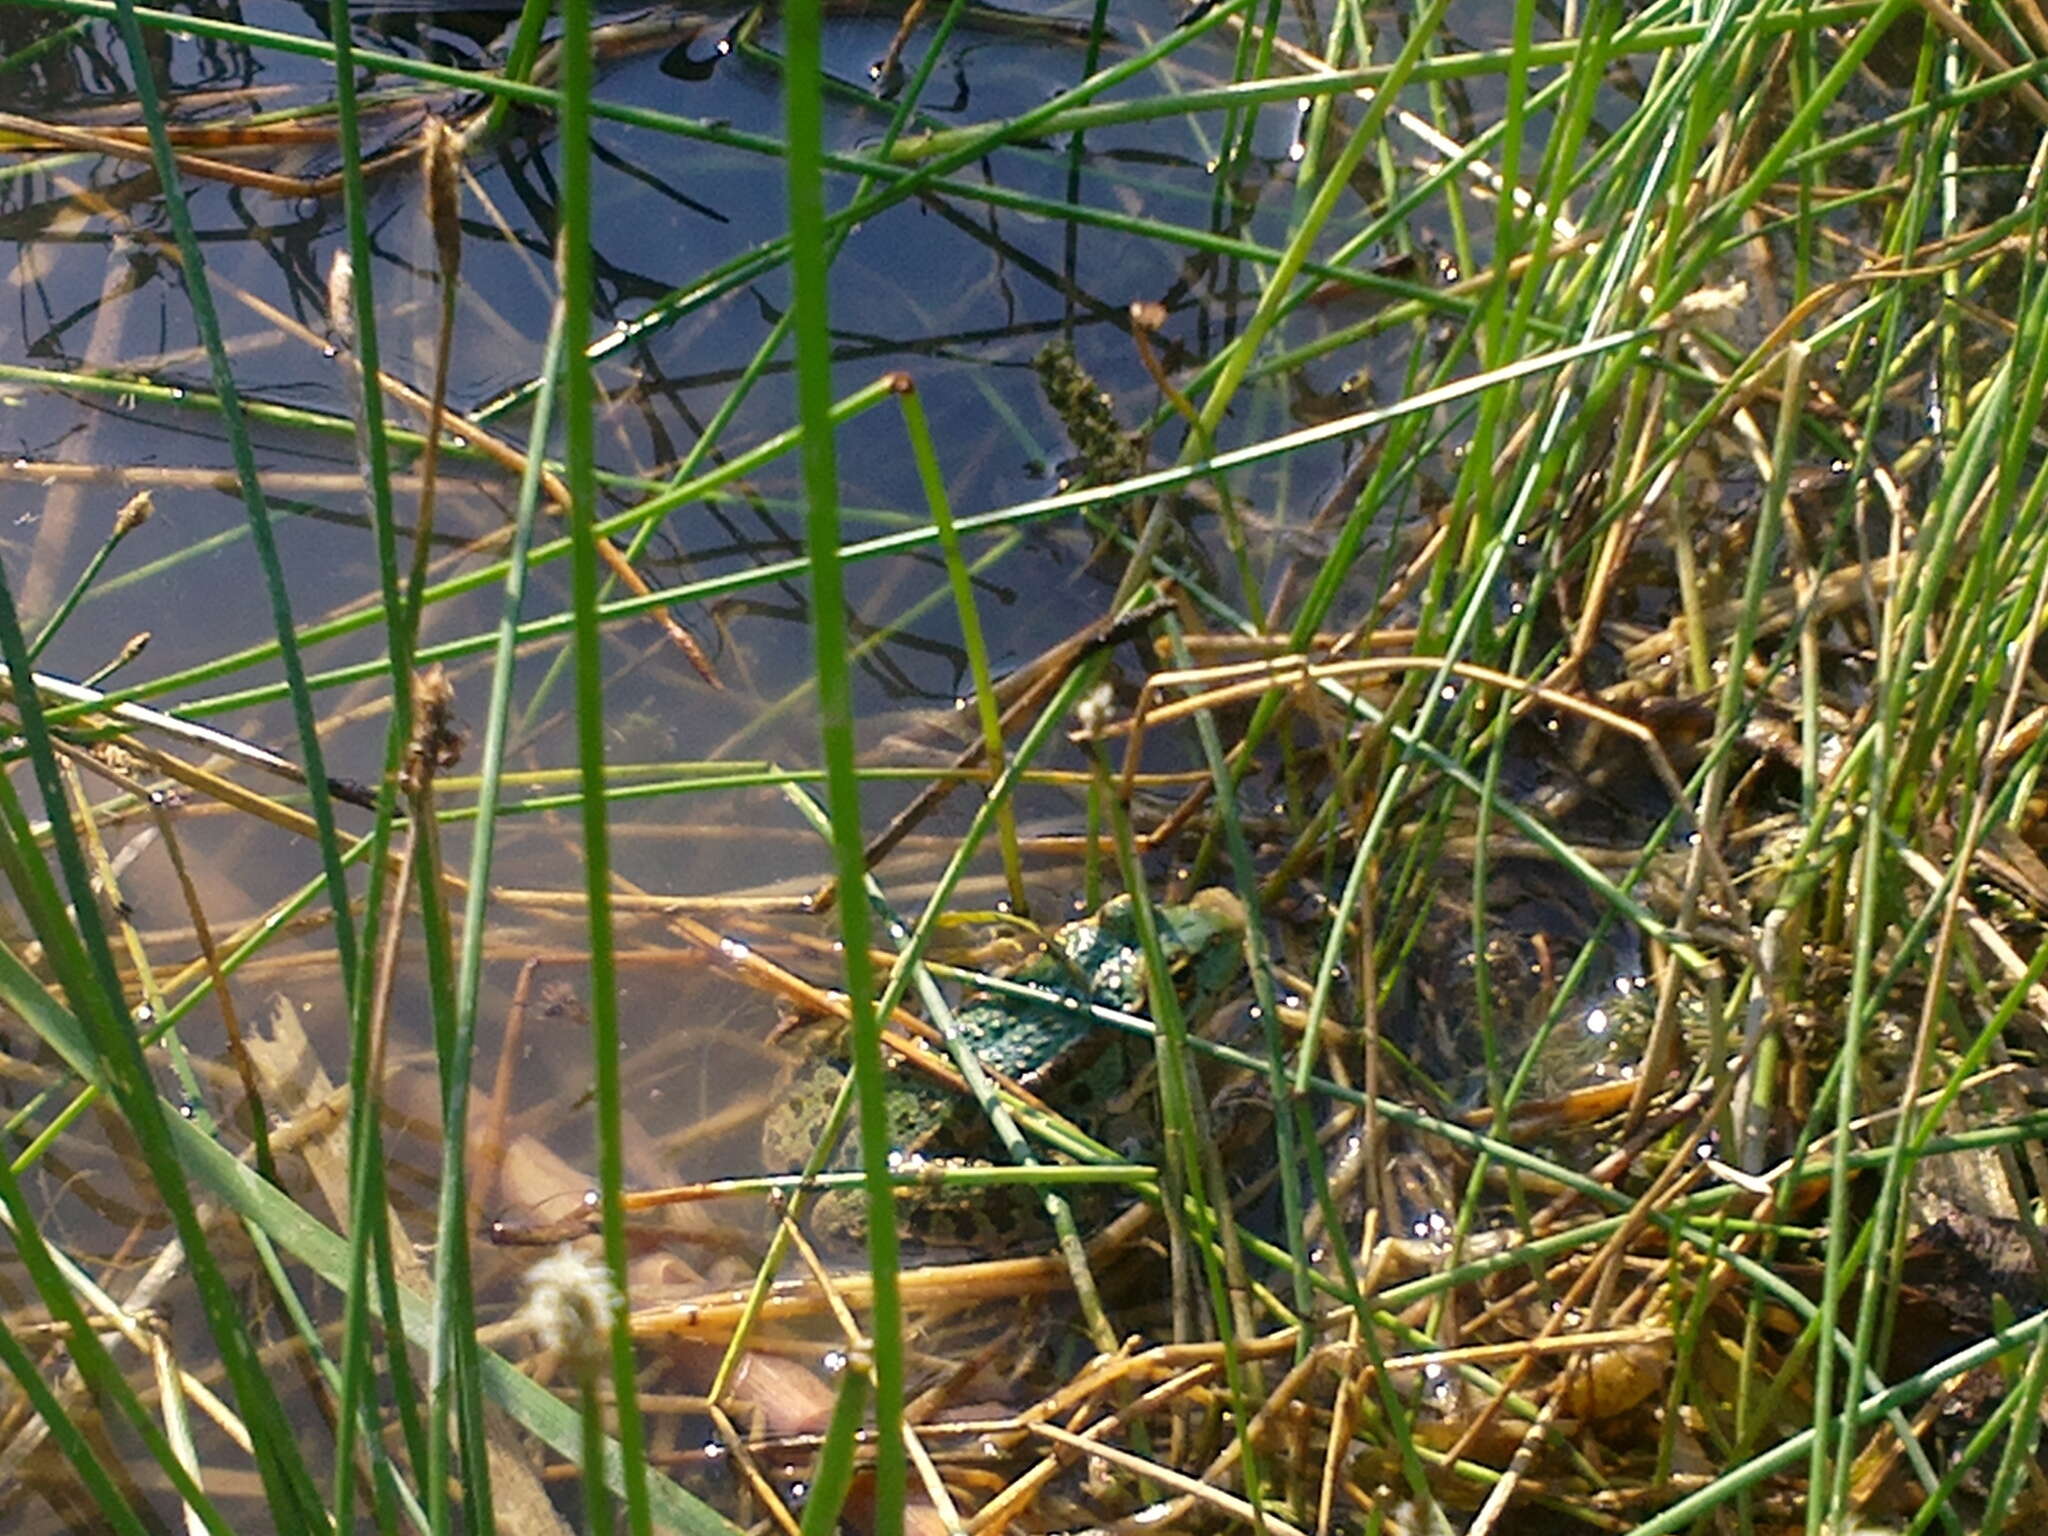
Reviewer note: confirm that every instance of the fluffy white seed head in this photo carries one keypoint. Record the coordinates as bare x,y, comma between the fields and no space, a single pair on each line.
569,1301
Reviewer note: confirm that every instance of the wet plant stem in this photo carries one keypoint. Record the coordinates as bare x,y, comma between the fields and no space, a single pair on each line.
964,605
835,729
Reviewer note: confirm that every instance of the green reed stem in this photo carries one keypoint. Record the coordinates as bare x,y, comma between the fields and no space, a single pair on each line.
1191,1177
85,1457
123,525
579,410
808,275
1038,509
934,479
75,950
96,1367
193,268
713,434
369,1235
832,1474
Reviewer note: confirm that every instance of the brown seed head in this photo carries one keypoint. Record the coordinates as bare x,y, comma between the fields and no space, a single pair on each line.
134,514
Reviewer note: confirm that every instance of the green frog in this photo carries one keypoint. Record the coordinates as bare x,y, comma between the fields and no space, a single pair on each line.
1055,1050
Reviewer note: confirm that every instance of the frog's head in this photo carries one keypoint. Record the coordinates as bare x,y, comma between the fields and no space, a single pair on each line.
1212,916
1203,937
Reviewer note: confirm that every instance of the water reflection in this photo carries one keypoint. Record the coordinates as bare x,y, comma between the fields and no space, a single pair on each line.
959,287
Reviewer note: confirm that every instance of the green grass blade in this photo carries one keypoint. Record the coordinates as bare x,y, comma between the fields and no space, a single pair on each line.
808,273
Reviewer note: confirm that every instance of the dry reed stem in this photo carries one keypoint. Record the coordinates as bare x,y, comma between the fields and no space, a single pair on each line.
1482,174
117,146
282,482
1018,694
752,1473
764,975
1250,680
1979,47
947,1511
459,425
1213,1498
209,952
714,1317
490,1139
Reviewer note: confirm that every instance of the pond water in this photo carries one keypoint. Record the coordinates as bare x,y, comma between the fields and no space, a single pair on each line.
958,294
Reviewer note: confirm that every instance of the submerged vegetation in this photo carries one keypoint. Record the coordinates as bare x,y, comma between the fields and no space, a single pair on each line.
1266,765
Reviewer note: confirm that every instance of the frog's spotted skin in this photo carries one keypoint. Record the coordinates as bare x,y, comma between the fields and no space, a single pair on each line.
1056,1050
1098,959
